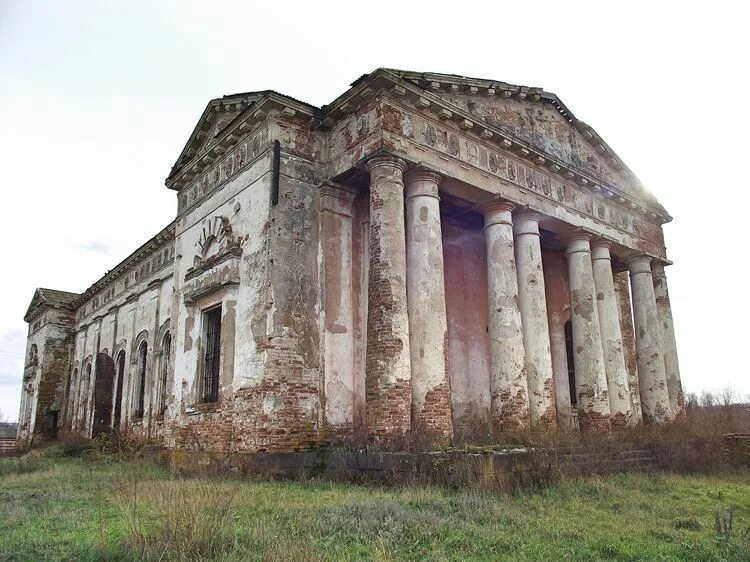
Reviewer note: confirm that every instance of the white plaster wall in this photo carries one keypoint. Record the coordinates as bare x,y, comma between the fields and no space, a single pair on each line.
245,201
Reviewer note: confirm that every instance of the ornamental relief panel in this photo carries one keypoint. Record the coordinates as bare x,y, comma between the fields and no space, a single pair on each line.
223,169
442,139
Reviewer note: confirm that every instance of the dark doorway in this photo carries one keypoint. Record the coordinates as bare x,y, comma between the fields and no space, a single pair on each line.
571,363
118,392
52,416
103,383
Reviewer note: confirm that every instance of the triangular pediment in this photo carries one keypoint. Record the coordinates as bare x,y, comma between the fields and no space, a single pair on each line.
536,118
545,128
219,113
49,298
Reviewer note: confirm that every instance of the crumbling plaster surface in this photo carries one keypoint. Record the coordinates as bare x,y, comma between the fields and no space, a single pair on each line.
543,126
468,339
558,314
259,256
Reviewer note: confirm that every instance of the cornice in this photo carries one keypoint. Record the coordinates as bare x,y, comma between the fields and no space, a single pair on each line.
163,238
429,101
270,104
489,134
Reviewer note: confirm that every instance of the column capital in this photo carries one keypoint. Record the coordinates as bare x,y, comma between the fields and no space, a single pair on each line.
600,249
526,221
638,263
658,267
337,190
388,161
497,211
336,197
422,182
575,234
422,174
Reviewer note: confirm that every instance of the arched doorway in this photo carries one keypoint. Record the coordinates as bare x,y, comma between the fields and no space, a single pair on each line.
571,364
118,391
103,383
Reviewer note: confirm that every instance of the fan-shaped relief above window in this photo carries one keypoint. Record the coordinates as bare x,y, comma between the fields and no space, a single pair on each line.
217,242
216,258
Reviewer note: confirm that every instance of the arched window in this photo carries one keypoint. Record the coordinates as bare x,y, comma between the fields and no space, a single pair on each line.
571,363
72,383
166,352
84,396
33,355
120,374
141,381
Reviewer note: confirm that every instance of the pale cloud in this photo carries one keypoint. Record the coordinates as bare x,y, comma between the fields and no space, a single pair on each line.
98,99
94,246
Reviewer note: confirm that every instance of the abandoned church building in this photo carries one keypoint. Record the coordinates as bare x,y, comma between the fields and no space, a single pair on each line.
427,254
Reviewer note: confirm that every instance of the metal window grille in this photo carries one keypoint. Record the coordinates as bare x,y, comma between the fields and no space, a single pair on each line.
211,366
164,369
140,410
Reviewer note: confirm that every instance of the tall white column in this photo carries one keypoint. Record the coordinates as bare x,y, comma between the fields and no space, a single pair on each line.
428,325
388,359
508,383
609,322
591,378
671,365
533,307
651,371
338,322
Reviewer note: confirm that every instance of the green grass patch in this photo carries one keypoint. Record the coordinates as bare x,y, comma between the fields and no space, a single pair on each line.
56,507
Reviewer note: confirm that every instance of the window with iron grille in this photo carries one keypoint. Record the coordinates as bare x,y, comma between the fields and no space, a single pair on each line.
212,323
142,352
166,349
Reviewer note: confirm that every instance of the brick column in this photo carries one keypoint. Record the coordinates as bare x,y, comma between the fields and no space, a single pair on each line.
338,323
428,324
609,321
509,387
671,365
533,307
388,362
652,377
591,378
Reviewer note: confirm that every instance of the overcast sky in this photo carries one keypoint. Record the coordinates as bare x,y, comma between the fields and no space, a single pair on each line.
98,98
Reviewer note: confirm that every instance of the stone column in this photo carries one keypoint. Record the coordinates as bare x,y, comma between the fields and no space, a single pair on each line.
609,321
622,290
671,365
652,378
387,360
508,384
428,324
533,307
591,377
338,323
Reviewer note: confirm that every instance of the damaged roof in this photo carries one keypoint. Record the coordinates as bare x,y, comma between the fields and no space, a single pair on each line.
51,298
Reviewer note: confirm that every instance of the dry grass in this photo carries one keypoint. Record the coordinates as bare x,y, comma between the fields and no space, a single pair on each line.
177,518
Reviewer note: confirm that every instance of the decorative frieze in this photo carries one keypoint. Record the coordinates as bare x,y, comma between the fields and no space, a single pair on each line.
217,173
587,199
